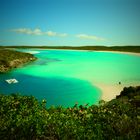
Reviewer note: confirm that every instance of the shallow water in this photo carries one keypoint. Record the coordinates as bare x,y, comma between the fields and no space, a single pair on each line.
67,77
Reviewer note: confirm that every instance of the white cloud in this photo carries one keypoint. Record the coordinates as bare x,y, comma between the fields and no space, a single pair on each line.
92,37
38,31
63,35
28,31
51,33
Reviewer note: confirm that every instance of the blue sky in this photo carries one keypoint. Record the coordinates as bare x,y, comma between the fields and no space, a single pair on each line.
69,22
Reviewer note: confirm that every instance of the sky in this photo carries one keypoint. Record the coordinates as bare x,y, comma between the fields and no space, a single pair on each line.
69,22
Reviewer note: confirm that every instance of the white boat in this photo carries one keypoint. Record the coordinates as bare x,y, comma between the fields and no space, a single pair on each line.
11,81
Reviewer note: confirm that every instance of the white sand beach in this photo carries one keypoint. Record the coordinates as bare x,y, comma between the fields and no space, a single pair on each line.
121,52
110,92
130,53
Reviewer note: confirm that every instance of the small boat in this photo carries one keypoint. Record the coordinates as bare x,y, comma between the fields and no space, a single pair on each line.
11,81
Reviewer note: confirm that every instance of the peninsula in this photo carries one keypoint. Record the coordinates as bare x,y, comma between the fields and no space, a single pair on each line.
10,59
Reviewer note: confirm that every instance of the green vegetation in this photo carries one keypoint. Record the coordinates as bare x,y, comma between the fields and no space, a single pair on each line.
11,59
25,118
135,49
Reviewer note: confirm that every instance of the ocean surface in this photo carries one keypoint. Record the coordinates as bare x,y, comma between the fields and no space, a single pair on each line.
65,77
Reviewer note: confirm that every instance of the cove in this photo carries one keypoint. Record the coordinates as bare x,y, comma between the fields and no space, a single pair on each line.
65,77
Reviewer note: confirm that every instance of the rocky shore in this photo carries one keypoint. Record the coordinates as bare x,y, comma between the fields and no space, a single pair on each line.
10,59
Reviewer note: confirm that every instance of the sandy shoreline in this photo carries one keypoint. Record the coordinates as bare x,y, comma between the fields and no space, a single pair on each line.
120,52
110,92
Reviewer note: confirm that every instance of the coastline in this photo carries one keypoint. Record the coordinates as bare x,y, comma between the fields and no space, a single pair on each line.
10,59
120,52
110,92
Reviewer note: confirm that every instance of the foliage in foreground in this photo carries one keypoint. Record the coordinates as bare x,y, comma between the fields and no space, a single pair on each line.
23,117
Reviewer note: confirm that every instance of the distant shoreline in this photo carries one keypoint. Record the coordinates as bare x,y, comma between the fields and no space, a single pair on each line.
120,52
134,49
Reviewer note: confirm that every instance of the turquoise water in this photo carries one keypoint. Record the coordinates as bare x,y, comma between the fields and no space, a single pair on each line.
67,77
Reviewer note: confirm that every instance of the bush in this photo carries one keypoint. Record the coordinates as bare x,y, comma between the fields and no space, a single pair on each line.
24,117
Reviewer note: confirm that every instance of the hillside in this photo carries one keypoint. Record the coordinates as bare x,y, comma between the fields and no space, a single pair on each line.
10,59
24,117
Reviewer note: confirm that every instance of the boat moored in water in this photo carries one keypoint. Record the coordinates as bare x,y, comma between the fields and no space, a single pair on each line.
11,81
